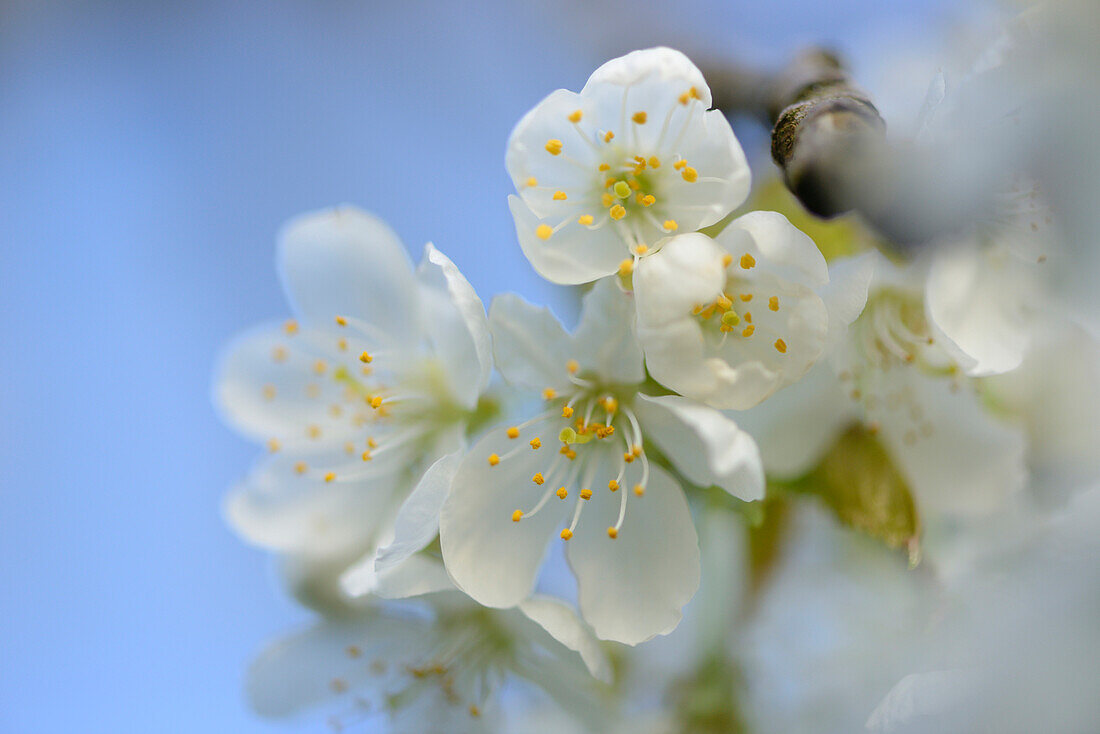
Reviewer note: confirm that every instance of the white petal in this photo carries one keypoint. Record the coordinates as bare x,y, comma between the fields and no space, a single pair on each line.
455,322
662,63
783,248
711,148
279,509
705,446
413,576
978,300
346,262
634,587
798,424
265,386
969,463
605,341
559,620
490,557
531,348
845,296
575,253
417,521
668,284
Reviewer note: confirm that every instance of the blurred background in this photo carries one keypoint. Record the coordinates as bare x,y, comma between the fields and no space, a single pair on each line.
148,154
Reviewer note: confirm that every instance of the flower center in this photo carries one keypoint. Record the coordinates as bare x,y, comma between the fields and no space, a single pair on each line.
600,441
731,312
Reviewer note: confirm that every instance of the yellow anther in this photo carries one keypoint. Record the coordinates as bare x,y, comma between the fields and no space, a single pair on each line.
278,354
494,459
639,490
628,457
549,393
575,116
639,117
513,432
654,162
375,402
723,302
291,327
538,478
572,366
543,231
679,164
610,404
612,533
671,225
559,196
372,443
570,454
609,182
650,200
585,219
608,136
365,358
586,494
342,344
747,261
730,318
536,443
319,367
621,189
637,450
726,260
641,249
626,267
748,316
780,346
553,146
300,467
562,493
607,199
725,328
330,476
689,174
685,98
474,710
613,486
366,456
748,330
532,182
773,303
566,534
273,445
341,321
566,412
517,515
694,93
745,297
604,167
269,392
633,184
618,212
314,431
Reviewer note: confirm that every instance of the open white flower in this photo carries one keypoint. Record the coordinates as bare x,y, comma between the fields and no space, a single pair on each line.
580,470
730,320
890,373
605,174
375,380
432,665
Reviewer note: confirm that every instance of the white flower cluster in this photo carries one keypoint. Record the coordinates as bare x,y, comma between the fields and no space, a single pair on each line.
723,375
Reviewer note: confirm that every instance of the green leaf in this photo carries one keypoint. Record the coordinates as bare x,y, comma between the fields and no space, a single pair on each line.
859,482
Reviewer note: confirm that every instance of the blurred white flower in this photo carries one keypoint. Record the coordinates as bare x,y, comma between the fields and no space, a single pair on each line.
604,175
889,373
376,379
730,320
432,664
635,552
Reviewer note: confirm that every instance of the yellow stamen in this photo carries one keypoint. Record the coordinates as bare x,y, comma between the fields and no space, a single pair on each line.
626,267
586,494
746,297
300,467
773,303
679,164
538,478
376,402
748,316
532,181
517,515
319,367
543,231
576,116
553,146
689,174
639,490
748,330
747,261
641,250
607,199
608,136
566,534
494,459
572,365
723,302
671,225
628,457
562,493
780,346
474,710
365,358
612,533
342,344
566,412
366,456
639,117
536,443
291,327
513,432
314,431
273,445
372,443
654,162
637,450
726,260
613,486
330,476
649,200
618,212
585,219
604,167
341,321
549,393
560,196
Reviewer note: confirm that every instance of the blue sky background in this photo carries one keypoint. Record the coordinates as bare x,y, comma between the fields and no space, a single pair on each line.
148,154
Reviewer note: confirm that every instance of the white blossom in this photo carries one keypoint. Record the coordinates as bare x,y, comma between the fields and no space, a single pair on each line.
605,174
581,470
